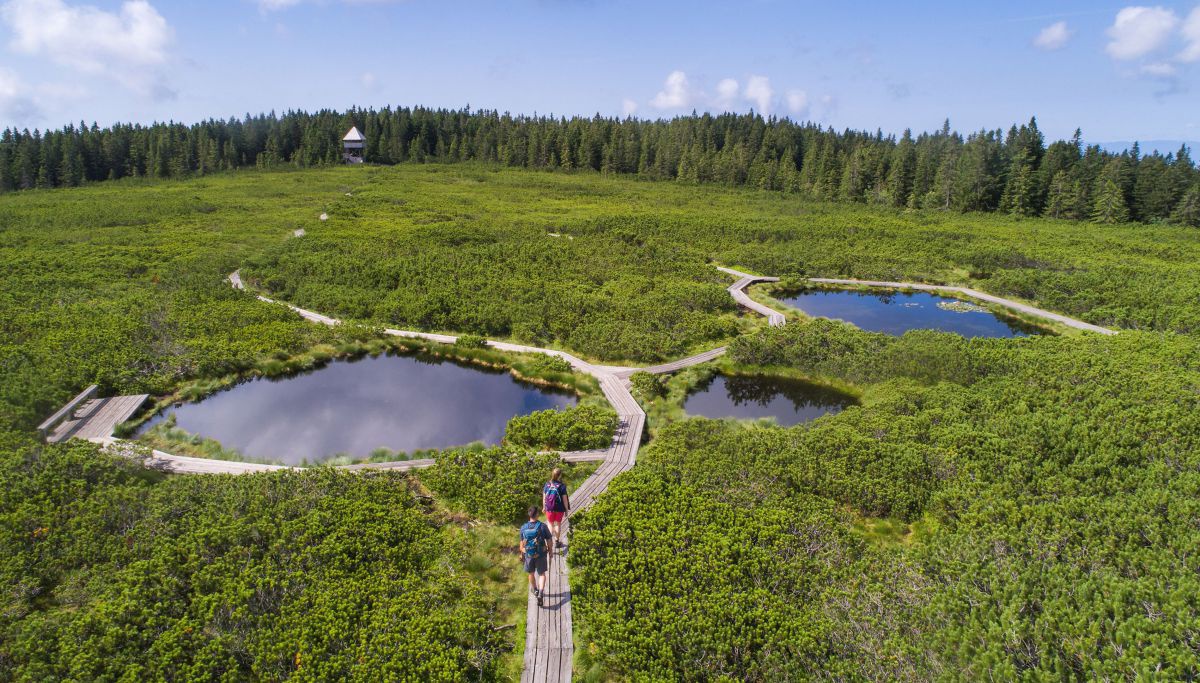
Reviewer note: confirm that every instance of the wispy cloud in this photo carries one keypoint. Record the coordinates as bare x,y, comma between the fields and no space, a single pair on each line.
727,92
730,94
1053,37
1159,69
15,102
628,107
797,103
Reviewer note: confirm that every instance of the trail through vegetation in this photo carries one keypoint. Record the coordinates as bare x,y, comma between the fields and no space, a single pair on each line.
1018,508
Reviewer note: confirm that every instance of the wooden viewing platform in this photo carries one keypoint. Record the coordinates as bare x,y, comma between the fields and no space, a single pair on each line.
85,417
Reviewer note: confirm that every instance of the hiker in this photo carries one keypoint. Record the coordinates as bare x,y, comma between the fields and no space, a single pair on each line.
556,503
535,538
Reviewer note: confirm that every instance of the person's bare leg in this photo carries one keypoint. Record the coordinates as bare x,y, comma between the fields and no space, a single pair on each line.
541,580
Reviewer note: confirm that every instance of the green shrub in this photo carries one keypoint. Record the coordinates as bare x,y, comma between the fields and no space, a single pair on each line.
647,386
470,341
544,363
574,429
833,349
315,575
493,483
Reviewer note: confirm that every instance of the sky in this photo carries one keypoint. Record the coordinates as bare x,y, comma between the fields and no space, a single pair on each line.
1118,71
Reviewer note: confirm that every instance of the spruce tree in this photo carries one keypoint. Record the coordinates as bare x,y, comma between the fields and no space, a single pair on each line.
1109,206
1187,211
1060,200
902,171
1020,193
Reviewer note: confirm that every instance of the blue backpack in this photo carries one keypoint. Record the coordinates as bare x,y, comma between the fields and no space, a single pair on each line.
531,533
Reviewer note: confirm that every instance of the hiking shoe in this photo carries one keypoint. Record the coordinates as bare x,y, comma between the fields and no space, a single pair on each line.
539,598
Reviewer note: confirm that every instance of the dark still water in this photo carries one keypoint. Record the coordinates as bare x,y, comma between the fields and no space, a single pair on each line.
402,403
897,312
789,401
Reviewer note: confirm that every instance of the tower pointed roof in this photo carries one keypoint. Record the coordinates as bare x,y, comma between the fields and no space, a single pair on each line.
354,135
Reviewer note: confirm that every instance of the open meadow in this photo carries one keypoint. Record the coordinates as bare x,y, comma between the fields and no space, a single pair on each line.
1012,508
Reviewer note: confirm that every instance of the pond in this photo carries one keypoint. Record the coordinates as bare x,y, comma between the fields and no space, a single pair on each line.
789,401
353,407
897,312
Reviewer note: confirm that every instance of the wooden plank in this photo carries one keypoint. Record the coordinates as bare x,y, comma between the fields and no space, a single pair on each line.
584,456
567,653
98,418
181,464
65,411
398,465
115,410
680,364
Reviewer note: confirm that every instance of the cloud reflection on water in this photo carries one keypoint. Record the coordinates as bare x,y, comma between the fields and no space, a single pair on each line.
399,402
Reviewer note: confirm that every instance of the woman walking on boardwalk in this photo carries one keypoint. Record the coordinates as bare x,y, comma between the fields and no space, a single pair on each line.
556,502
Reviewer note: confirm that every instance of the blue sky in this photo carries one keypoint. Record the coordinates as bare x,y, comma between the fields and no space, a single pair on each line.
1119,71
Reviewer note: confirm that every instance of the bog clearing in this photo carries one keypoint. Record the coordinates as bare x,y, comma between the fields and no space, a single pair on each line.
1003,507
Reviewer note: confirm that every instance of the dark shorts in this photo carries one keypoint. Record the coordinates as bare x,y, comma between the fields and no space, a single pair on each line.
535,564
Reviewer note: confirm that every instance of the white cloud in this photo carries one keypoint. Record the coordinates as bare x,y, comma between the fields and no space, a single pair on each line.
1053,37
727,92
758,90
1138,31
369,80
676,92
1191,33
628,107
88,38
797,102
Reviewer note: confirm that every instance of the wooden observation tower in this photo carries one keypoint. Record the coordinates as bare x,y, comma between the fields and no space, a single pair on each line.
352,146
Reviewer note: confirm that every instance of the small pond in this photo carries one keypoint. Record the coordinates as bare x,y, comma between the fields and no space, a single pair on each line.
789,401
402,403
898,312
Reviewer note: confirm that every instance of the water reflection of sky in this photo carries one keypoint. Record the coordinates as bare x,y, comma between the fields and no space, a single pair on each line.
790,402
897,312
399,402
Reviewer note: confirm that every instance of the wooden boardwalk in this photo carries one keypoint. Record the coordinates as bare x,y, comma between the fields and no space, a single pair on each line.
675,366
93,417
182,464
738,291
549,647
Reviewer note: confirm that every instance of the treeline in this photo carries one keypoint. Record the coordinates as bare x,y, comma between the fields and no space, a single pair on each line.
1014,172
